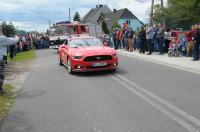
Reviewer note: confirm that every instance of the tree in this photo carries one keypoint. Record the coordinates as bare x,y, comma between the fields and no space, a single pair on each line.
21,32
8,29
115,25
159,14
179,13
105,28
77,17
103,24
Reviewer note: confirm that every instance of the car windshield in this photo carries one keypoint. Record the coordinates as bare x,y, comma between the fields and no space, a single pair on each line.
85,42
59,30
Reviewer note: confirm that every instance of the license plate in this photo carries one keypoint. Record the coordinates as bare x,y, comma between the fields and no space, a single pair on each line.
99,64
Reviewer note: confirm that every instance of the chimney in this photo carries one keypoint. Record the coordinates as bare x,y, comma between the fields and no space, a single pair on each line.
114,10
100,6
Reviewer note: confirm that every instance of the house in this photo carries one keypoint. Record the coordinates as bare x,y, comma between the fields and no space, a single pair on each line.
93,15
123,16
120,16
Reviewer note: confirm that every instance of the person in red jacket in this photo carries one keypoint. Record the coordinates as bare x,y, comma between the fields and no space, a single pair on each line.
119,39
190,37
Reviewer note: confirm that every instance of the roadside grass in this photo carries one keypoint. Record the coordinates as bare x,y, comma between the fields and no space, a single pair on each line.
8,97
6,100
23,56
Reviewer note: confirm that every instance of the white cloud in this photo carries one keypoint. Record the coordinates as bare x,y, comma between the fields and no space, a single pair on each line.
35,14
8,7
30,26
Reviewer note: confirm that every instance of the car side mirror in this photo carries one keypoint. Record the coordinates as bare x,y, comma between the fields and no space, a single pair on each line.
66,42
105,44
63,46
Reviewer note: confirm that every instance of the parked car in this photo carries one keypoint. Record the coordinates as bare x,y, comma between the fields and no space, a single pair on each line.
84,54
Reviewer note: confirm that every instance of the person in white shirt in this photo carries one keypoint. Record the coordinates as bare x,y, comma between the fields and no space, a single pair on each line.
168,36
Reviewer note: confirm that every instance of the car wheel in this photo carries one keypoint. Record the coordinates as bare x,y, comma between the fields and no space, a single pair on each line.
69,66
60,62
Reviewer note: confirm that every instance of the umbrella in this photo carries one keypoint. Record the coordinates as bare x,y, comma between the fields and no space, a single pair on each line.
4,42
8,41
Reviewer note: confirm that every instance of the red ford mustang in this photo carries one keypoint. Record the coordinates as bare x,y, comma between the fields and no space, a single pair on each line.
87,54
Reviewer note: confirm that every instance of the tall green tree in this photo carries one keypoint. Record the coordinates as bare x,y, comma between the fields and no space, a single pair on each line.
8,29
179,13
105,28
103,24
77,17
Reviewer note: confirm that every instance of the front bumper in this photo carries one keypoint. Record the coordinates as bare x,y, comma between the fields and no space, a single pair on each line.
81,66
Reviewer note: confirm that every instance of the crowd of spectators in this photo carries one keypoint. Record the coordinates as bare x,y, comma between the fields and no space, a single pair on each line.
156,38
27,42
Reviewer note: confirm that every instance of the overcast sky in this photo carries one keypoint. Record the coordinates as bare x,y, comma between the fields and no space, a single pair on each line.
35,14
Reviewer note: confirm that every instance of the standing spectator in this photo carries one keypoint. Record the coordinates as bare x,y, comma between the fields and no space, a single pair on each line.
114,36
130,40
119,39
19,45
190,37
126,35
12,51
149,36
111,41
142,37
168,36
123,38
196,44
155,38
31,40
136,41
160,38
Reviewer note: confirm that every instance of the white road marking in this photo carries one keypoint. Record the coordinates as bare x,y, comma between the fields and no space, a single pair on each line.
162,101
163,63
135,89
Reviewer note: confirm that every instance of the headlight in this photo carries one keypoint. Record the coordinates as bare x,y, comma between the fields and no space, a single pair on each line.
77,57
115,55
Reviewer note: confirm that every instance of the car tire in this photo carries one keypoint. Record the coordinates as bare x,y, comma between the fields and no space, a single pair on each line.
69,66
60,62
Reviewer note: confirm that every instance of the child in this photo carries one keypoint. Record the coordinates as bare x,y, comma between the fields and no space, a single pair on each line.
173,48
173,43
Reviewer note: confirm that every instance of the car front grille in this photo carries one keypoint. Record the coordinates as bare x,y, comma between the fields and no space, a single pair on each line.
98,58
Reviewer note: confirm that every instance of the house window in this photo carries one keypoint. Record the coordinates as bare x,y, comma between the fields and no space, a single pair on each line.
128,22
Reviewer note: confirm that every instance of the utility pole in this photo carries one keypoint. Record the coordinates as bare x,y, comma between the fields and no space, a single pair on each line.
161,3
151,15
17,30
49,24
69,15
162,6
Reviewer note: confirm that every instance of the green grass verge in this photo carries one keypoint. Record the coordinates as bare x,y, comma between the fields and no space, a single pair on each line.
6,100
23,56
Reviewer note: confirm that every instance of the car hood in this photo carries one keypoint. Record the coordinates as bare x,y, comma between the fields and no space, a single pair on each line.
92,50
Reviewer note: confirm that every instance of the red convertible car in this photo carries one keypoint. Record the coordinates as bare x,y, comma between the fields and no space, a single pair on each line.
87,54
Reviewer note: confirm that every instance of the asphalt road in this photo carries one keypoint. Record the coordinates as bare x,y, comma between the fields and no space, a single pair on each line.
140,97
